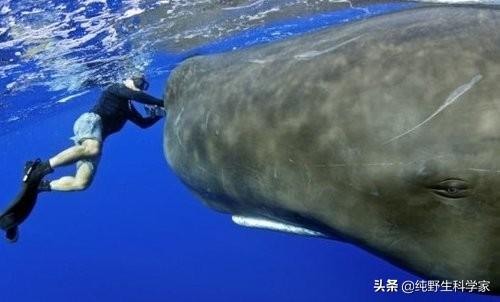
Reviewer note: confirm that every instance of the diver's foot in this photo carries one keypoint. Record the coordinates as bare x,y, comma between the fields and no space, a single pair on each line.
36,168
12,235
45,168
44,186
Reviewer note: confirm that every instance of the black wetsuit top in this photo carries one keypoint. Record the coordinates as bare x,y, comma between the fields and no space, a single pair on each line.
115,108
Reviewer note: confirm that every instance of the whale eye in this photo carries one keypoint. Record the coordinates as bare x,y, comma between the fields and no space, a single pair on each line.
451,188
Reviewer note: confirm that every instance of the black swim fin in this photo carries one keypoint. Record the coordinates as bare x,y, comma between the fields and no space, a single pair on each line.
35,169
20,208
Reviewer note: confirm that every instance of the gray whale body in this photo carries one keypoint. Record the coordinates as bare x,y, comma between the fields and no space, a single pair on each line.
384,133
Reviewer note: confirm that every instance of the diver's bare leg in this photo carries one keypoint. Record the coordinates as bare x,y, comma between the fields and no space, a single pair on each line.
88,148
79,182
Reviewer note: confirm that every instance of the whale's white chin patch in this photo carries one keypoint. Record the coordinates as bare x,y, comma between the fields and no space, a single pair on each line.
264,223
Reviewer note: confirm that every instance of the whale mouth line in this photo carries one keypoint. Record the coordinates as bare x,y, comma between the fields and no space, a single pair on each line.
269,224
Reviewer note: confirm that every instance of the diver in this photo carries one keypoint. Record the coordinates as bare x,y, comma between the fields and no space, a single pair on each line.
108,116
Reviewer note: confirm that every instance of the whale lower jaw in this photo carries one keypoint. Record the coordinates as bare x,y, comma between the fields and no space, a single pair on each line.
268,224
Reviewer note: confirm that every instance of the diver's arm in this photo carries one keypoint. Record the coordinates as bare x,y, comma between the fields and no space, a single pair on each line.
138,96
141,121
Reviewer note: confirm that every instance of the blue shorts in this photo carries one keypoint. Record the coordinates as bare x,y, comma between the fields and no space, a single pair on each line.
88,126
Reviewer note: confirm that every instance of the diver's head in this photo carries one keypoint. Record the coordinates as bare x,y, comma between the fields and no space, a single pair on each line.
139,82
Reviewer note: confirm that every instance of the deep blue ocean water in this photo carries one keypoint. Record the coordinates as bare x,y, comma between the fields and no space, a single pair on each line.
138,234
